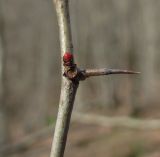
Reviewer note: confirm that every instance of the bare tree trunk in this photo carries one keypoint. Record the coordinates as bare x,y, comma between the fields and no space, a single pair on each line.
3,119
150,39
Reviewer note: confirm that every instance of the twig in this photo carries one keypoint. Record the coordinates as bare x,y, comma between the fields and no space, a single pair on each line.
104,71
72,75
125,122
68,87
75,74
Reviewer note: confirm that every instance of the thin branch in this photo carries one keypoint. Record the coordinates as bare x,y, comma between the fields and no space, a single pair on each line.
104,71
68,87
71,75
75,74
125,122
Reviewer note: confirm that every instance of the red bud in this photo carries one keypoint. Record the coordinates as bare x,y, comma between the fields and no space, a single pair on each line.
68,57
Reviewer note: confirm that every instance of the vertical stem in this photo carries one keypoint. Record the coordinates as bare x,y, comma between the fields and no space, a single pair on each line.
68,88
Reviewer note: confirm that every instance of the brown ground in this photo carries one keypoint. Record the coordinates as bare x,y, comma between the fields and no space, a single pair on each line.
95,141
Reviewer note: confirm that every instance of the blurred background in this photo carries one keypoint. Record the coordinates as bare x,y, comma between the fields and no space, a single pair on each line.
114,116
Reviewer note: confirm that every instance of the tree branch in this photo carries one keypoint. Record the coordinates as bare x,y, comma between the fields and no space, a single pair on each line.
68,87
71,75
75,74
122,121
104,71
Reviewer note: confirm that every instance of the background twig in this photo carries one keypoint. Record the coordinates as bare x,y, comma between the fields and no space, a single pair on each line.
127,122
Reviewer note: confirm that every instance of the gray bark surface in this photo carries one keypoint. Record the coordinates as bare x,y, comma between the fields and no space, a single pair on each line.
68,88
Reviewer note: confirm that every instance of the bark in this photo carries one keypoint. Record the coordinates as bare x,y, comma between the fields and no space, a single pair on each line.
104,71
68,88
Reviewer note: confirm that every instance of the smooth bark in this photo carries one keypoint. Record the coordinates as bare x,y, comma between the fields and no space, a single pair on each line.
68,88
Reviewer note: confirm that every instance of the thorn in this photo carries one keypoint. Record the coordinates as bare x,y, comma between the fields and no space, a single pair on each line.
104,71
118,71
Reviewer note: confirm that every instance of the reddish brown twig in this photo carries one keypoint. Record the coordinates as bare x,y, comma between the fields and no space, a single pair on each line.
75,74
104,71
